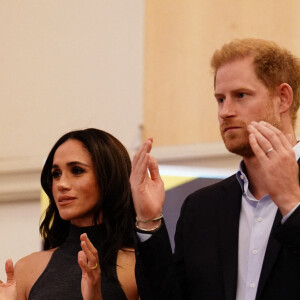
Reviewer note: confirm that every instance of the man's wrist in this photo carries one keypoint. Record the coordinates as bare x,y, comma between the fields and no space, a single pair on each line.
148,226
286,216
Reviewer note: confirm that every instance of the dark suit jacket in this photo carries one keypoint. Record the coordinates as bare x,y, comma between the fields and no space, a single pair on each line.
205,262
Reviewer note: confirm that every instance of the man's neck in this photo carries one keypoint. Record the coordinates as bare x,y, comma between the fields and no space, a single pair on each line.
256,185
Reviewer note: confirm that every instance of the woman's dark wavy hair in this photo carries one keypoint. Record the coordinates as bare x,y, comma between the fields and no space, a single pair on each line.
113,167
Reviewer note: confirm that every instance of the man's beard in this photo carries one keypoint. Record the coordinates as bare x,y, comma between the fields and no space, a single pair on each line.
238,143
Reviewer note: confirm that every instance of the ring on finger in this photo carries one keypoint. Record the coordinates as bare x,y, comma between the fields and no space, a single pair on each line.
269,150
94,267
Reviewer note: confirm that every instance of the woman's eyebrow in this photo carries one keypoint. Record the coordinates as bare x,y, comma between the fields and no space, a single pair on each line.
70,164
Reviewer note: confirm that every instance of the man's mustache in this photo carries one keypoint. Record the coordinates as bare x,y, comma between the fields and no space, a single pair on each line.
227,124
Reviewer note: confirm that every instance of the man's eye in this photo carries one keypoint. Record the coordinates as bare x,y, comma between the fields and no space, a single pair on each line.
220,100
241,95
56,174
77,170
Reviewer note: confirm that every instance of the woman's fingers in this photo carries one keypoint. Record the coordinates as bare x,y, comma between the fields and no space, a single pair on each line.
82,261
88,260
9,269
90,252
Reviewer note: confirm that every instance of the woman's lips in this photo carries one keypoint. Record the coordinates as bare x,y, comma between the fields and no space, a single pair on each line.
64,200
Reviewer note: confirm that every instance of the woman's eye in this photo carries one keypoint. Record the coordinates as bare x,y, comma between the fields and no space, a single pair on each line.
56,174
77,170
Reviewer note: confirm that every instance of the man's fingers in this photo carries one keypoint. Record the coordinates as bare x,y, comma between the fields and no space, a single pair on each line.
145,148
271,141
141,157
256,148
153,169
260,139
274,135
140,164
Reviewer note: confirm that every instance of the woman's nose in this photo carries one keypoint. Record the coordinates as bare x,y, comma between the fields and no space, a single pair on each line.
63,183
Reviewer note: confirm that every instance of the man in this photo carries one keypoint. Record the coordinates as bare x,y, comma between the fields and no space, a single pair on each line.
239,238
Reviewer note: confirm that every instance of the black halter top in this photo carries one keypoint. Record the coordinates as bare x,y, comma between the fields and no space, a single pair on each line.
61,279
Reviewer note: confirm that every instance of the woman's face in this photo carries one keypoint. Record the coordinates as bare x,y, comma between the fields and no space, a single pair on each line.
75,188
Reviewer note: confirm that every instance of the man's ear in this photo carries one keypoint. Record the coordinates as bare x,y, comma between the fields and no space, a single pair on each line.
285,94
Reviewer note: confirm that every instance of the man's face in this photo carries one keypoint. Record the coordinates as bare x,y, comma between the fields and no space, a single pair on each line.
242,98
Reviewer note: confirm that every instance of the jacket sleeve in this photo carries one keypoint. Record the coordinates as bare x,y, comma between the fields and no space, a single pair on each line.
155,271
288,234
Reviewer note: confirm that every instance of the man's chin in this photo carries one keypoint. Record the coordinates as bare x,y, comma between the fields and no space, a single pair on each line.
244,151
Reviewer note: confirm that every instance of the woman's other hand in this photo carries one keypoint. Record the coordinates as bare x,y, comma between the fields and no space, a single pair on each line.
8,290
88,261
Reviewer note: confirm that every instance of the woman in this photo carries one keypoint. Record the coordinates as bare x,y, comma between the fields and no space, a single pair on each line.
89,224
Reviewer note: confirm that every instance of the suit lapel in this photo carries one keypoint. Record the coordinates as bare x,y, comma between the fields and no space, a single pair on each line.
229,213
272,251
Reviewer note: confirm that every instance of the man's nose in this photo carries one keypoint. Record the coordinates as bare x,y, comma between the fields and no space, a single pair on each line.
227,108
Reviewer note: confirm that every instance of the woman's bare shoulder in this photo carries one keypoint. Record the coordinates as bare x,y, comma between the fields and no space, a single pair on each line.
32,260
126,272
29,268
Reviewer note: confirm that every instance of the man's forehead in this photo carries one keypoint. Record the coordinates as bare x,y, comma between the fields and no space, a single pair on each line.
249,60
238,64
236,75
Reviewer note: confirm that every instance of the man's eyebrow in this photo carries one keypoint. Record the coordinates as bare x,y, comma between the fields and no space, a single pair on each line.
237,90
218,95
